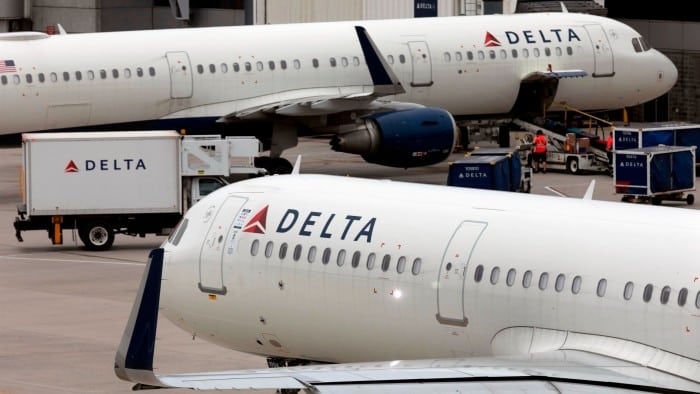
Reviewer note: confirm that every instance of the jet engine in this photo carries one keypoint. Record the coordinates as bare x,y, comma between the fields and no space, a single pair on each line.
408,138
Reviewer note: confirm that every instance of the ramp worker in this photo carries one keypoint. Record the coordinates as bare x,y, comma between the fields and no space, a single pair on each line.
539,152
609,151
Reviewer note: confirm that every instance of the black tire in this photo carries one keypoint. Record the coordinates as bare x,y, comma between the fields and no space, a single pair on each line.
690,199
96,235
572,165
656,201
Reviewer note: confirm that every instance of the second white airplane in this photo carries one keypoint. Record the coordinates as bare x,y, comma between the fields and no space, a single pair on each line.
366,82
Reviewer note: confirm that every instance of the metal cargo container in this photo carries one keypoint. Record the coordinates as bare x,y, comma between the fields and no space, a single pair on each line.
480,172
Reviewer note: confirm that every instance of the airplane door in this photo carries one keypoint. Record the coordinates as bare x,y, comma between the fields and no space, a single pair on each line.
211,256
180,74
452,272
603,61
422,66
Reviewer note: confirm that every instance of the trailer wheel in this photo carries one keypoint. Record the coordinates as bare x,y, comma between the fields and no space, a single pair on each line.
656,201
690,199
96,235
572,165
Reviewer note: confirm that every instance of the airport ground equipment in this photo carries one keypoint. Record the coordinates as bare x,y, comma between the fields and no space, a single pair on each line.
655,173
99,184
520,170
480,172
572,150
640,135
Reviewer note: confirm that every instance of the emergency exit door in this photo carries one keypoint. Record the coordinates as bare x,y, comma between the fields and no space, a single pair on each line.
422,65
180,74
452,272
603,56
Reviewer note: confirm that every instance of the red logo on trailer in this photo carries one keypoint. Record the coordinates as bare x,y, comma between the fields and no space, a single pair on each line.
491,41
71,167
257,223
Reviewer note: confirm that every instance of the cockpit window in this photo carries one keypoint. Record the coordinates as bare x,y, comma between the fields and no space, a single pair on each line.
640,44
176,235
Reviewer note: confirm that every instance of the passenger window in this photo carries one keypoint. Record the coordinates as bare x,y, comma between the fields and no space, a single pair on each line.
386,262
53,77
629,290
326,256
682,296
344,61
401,265
576,285
314,62
458,56
648,292
139,72
283,64
470,56
415,270
697,300
559,283
480,55
78,76
527,279
526,53
254,247
492,54
478,273
236,67
3,79
447,57
547,52
356,259
268,249
503,53
334,63
283,251
557,51
402,59
495,272
370,261
544,279
536,52
514,53
297,64
224,68
152,71
271,65
602,286
212,69
341,257
569,51
311,256
355,61
16,79
66,76
510,278
248,66
28,78
127,73
103,74
42,78
259,66
665,295
200,69
297,252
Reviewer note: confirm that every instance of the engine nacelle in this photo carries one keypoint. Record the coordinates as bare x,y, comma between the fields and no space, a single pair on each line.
409,138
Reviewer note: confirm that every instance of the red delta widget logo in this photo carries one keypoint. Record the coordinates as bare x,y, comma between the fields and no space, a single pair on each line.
107,165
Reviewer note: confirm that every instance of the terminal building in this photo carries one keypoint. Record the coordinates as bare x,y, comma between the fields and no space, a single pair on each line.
672,30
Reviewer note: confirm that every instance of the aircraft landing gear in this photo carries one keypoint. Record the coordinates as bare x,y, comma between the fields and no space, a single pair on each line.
274,165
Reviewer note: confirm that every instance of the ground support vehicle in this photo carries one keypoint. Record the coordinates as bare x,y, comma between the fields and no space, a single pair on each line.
655,174
99,184
521,178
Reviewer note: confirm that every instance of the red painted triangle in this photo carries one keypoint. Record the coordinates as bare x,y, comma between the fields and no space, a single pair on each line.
257,223
71,167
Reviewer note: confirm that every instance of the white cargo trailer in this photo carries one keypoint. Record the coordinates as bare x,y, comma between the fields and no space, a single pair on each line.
137,182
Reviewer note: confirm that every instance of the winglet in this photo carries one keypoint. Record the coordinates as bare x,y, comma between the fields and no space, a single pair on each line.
134,359
61,30
384,79
589,191
563,7
297,166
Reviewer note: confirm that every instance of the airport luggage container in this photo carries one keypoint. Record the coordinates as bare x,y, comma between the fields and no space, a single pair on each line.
655,173
480,172
653,134
520,171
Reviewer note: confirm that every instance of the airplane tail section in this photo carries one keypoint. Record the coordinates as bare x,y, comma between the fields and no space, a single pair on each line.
134,359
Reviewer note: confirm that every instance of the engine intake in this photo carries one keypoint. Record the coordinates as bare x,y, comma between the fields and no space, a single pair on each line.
408,138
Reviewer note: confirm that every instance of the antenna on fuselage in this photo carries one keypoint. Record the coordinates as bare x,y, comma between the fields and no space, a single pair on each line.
563,7
297,166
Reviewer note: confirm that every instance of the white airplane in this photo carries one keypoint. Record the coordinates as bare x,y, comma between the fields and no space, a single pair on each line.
401,287
386,89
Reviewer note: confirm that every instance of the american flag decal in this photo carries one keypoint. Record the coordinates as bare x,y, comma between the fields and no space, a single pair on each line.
7,66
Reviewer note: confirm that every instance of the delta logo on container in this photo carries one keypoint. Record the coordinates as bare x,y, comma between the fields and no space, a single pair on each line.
107,165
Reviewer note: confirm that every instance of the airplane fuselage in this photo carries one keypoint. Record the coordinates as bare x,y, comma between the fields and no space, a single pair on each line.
466,65
271,269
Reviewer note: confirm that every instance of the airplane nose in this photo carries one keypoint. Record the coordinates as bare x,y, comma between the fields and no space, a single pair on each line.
668,73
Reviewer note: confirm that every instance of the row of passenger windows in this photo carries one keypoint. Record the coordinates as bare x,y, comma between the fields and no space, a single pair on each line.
340,258
503,54
576,283
272,65
79,76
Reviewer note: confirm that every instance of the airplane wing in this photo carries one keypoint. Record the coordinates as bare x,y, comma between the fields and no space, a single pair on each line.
560,370
322,101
